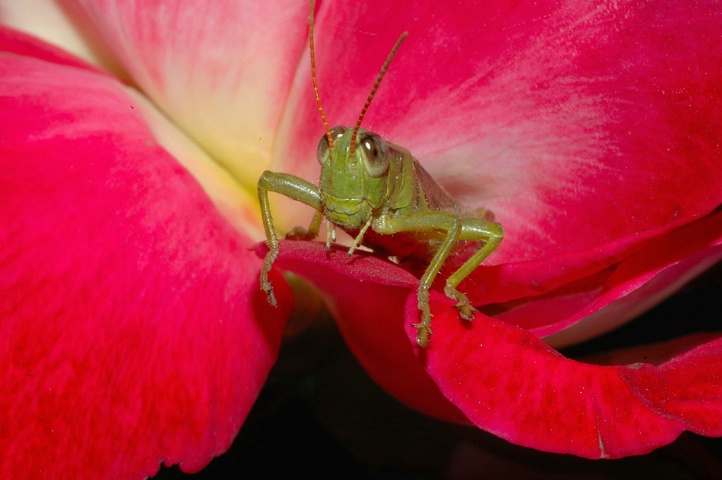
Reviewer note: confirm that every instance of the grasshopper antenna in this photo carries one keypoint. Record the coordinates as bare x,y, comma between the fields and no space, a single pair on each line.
373,90
313,76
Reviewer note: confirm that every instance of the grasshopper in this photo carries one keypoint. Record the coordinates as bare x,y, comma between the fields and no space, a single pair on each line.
380,194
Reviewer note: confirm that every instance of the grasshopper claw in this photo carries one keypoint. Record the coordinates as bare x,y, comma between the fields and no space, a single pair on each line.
466,311
422,335
271,297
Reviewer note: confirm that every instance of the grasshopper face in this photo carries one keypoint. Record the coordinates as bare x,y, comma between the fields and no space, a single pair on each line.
353,182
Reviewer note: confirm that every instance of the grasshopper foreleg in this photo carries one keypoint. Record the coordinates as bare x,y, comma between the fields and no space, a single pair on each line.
297,189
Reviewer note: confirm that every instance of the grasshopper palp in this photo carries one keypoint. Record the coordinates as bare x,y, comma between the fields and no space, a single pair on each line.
382,196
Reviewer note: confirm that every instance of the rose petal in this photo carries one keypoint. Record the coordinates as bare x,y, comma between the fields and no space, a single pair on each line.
685,389
532,396
222,73
612,297
55,23
133,331
504,379
16,42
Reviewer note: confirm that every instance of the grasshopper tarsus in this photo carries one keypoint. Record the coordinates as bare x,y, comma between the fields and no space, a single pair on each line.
265,283
268,288
271,297
466,310
423,329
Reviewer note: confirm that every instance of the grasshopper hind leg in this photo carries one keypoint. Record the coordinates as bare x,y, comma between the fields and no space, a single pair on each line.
456,229
472,229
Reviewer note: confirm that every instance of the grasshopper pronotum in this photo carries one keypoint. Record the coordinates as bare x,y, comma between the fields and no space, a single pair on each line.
379,193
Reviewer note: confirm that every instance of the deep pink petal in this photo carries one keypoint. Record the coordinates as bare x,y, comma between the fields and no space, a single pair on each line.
686,389
609,298
532,396
504,379
133,332
588,129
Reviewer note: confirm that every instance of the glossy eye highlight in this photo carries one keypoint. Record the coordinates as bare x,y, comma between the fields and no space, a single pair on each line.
375,154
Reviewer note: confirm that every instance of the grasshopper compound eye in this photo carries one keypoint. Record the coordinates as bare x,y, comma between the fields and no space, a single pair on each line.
375,154
323,151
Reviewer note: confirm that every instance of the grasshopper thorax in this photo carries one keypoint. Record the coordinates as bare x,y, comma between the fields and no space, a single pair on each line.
353,181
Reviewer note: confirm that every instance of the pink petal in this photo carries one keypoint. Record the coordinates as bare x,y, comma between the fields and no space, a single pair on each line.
685,389
588,129
19,43
532,396
133,331
504,379
220,72
612,297
55,23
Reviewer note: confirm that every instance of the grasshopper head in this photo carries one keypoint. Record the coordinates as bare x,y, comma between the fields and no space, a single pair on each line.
353,180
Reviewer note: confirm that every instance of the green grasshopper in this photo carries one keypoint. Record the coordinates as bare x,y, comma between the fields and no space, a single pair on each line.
381,195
